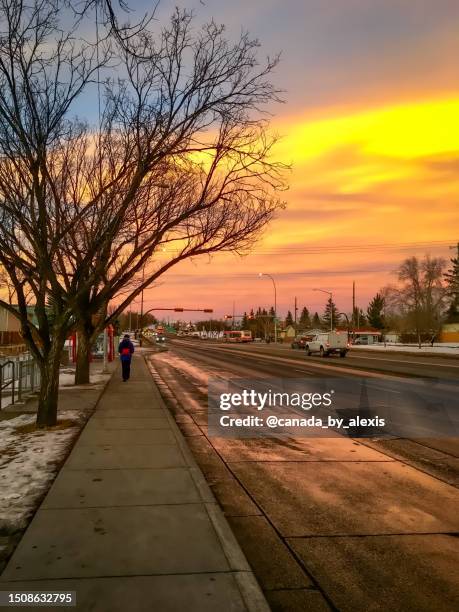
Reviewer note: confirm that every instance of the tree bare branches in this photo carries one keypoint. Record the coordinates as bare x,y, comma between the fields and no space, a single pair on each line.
180,162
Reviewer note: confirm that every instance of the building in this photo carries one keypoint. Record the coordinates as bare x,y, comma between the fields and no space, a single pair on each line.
10,328
288,333
449,332
366,335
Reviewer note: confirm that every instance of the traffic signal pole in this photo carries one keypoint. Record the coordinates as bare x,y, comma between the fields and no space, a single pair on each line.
182,309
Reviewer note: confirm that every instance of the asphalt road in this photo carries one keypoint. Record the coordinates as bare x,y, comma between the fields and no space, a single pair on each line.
328,523
440,367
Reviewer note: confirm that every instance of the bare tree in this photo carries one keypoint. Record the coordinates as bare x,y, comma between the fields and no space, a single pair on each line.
420,298
179,165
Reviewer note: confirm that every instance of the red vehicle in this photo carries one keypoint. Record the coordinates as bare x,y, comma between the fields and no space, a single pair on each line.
300,341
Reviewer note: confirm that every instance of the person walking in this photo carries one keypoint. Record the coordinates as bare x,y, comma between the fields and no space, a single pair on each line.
125,349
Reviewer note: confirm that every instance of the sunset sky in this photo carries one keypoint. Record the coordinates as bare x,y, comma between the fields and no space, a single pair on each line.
370,125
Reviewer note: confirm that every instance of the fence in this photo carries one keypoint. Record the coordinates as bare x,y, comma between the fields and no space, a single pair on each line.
17,378
9,350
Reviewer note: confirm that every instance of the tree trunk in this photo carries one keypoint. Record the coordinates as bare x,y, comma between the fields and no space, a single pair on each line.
83,357
49,386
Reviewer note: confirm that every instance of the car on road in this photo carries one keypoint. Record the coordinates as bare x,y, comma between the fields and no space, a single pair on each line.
300,341
327,343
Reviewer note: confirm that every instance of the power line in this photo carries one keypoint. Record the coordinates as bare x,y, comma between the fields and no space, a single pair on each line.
347,248
313,273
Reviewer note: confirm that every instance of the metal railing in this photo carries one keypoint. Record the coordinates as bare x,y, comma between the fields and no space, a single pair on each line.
18,377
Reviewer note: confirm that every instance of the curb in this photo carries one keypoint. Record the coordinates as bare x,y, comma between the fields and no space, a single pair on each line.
249,588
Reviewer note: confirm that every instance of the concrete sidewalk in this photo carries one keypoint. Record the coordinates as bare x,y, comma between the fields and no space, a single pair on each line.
130,523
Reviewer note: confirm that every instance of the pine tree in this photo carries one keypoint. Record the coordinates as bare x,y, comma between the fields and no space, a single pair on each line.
316,322
244,321
375,312
305,319
288,319
452,282
330,312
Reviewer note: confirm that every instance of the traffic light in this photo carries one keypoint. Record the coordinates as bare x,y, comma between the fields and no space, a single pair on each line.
228,317
208,309
178,309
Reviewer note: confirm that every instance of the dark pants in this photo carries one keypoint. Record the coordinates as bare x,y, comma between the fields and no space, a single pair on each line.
126,366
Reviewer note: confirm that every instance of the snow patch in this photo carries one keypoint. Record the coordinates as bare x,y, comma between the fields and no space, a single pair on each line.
444,349
28,463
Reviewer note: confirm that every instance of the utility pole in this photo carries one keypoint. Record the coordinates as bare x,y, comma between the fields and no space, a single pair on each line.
141,308
331,305
353,302
353,310
296,310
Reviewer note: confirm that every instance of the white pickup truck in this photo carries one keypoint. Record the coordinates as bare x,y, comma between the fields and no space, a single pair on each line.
326,343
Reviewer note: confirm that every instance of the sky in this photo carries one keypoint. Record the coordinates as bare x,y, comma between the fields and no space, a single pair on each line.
370,126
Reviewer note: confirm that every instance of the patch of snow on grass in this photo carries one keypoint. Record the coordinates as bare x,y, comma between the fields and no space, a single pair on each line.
444,349
28,463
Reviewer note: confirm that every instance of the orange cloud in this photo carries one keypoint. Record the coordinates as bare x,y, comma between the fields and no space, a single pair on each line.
384,176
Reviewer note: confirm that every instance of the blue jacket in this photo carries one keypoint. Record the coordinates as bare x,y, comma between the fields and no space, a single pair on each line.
125,349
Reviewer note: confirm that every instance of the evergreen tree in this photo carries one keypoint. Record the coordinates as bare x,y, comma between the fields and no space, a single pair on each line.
316,322
330,312
452,282
375,312
288,319
305,319
244,321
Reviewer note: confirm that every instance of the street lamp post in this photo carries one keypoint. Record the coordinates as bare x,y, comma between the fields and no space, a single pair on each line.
331,308
275,303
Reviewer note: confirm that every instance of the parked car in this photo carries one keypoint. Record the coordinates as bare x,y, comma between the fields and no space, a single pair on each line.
327,343
361,341
300,341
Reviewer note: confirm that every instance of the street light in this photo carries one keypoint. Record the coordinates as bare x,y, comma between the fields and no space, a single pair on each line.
275,303
331,306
